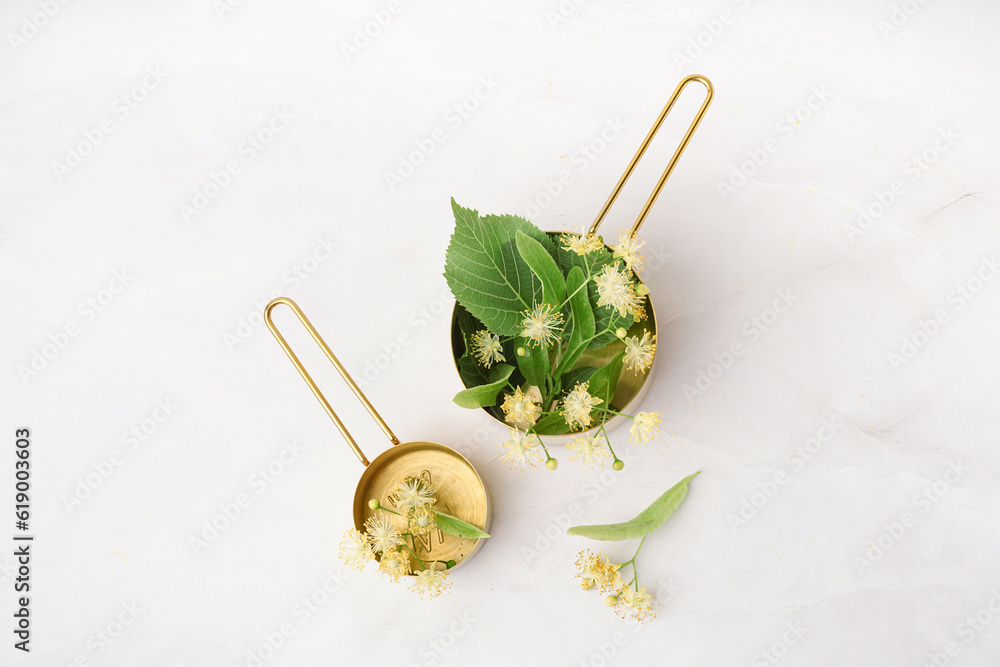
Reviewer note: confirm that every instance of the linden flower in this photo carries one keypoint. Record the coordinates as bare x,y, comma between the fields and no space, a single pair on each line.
645,427
582,244
597,570
412,493
519,408
521,449
578,404
638,311
542,324
431,582
422,522
638,604
628,251
615,289
355,549
395,564
382,536
639,352
486,348
590,448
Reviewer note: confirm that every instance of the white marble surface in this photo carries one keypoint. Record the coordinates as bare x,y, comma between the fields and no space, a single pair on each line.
157,99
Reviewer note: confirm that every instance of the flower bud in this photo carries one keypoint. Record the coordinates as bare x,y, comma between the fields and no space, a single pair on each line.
641,289
611,600
521,352
621,333
374,504
552,464
618,464
587,584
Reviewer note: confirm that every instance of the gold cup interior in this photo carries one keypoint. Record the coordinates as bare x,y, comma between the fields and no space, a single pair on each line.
630,382
459,488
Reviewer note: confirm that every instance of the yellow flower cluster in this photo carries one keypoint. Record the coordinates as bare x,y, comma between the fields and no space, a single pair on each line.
598,572
384,542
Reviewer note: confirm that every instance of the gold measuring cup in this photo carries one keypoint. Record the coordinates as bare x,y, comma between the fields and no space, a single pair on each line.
632,386
460,490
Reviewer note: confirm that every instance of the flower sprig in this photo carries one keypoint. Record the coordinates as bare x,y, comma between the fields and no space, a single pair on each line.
597,572
394,548
539,306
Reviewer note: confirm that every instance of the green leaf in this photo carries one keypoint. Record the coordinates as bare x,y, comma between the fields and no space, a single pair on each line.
485,395
574,375
472,373
554,424
534,365
607,319
470,370
544,267
645,523
486,272
454,526
582,318
603,383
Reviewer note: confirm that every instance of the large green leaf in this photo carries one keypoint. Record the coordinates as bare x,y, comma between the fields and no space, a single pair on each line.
581,317
486,394
554,424
485,271
534,365
645,523
451,525
574,375
544,267
603,383
607,319
469,369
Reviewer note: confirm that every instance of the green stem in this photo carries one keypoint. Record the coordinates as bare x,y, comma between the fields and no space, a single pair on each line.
386,509
544,448
610,449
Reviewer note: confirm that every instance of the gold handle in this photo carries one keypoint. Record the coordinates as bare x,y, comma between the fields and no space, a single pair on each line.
312,385
645,145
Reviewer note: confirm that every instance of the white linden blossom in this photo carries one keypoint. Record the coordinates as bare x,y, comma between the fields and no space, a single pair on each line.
615,289
590,449
395,564
412,493
639,352
645,427
637,603
578,404
597,570
431,582
628,251
355,549
582,244
521,449
486,348
383,537
519,409
638,311
542,324
422,522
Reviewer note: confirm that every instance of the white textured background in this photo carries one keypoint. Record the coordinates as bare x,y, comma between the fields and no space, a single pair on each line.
837,102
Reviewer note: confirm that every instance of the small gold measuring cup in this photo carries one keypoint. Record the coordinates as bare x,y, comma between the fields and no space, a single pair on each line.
460,490
631,387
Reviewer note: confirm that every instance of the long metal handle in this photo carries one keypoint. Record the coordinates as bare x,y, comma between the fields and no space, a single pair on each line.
340,369
645,145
